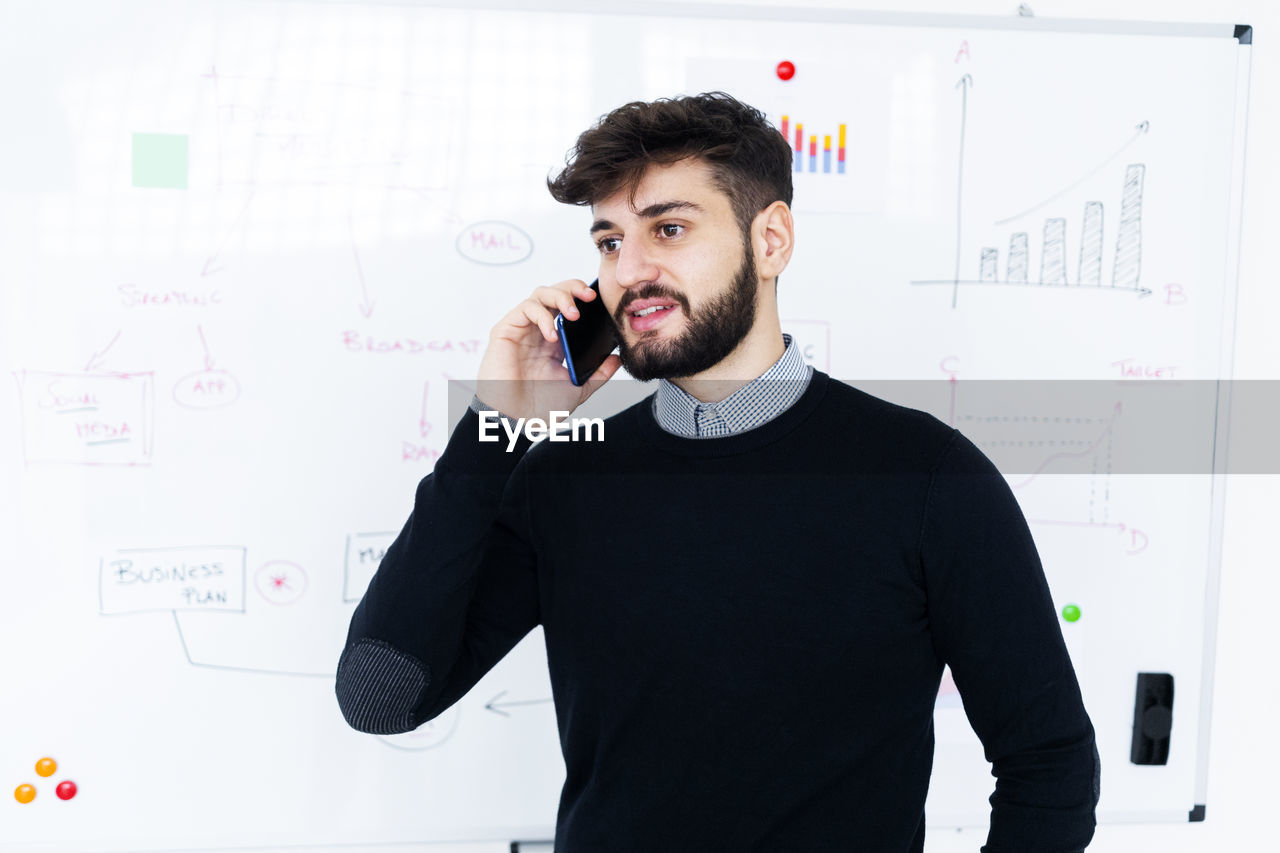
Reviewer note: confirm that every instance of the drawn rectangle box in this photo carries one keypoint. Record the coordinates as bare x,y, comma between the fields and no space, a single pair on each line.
364,553
813,337
86,418
138,580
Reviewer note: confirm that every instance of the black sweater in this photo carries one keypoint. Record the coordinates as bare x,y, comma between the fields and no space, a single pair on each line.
745,634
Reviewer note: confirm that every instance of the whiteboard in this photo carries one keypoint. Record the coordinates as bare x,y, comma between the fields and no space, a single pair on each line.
253,248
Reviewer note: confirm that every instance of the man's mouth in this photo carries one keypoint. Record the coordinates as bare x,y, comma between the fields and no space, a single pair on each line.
646,314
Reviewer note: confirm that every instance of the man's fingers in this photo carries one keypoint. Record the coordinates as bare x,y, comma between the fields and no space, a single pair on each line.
539,307
559,297
535,312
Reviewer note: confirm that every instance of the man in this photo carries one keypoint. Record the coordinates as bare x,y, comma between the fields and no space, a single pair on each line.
749,589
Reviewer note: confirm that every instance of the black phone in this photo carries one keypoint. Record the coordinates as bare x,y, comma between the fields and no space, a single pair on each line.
588,340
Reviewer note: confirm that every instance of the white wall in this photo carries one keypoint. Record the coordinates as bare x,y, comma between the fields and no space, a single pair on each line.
1242,753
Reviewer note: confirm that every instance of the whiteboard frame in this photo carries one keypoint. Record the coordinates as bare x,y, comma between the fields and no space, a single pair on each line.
820,15
1242,33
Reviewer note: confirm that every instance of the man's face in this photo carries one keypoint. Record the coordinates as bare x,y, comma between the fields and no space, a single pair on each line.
679,251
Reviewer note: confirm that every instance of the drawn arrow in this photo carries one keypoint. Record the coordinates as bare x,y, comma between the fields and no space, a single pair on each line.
209,268
366,306
1119,527
1135,535
964,84
95,359
493,704
208,359
1141,127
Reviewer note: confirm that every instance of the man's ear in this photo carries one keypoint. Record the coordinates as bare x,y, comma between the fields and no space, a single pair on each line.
772,239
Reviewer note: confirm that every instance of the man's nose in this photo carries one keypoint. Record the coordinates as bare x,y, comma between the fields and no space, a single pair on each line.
636,264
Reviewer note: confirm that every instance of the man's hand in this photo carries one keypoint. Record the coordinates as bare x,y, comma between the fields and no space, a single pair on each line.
521,375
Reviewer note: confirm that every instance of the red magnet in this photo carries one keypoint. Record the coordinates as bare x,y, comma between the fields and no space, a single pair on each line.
786,70
66,790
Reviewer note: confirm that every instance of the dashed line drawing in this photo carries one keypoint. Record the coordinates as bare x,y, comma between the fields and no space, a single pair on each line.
1077,437
1050,443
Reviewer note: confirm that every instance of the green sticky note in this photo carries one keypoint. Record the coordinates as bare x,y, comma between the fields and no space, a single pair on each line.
160,160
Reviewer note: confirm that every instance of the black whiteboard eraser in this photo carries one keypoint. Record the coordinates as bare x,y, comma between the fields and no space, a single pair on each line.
1152,718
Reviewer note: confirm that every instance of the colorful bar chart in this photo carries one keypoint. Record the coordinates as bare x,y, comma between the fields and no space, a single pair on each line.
798,143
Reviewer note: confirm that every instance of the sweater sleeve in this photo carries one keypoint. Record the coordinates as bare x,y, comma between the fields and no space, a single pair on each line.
994,622
455,592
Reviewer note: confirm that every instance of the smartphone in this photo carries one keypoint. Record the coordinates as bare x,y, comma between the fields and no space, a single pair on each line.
588,340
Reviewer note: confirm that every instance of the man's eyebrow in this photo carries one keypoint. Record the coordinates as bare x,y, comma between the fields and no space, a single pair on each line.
653,211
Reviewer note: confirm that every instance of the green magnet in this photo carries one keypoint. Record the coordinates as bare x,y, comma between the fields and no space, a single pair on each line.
160,160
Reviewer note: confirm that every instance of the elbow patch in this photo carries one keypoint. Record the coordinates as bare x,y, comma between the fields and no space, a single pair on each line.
1097,776
378,687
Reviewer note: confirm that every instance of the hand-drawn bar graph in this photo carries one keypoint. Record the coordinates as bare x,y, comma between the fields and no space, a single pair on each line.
1129,240
1017,257
1053,257
813,147
990,264
1091,245
1053,253
1054,250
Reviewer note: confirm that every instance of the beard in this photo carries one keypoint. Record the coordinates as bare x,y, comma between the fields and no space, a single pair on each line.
708,337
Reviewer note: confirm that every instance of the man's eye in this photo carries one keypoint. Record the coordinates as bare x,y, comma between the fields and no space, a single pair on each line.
608,245
671,229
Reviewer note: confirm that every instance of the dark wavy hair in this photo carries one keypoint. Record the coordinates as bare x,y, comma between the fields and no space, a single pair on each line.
749,158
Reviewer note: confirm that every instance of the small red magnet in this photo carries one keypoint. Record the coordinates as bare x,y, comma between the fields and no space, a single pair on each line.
786,70
66,790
